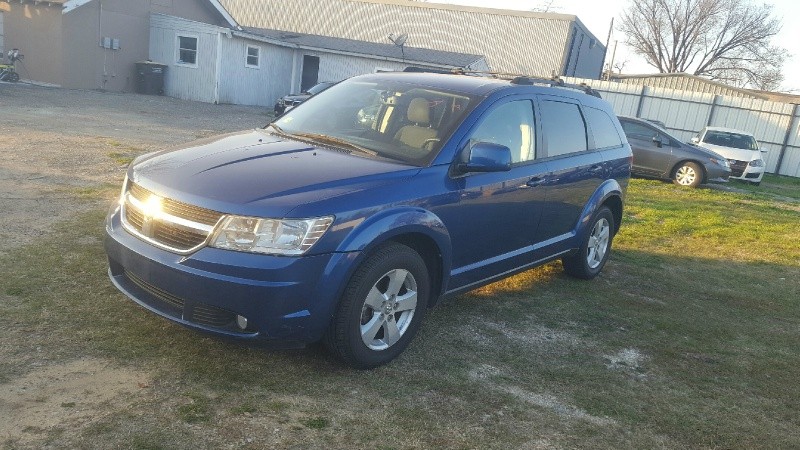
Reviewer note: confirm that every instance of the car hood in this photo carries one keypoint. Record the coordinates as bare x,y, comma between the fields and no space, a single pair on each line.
739,154
703,151
255,173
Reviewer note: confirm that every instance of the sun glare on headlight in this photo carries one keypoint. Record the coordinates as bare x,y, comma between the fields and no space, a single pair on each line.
153,206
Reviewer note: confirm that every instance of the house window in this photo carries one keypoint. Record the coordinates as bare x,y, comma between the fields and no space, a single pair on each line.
187,50
253,54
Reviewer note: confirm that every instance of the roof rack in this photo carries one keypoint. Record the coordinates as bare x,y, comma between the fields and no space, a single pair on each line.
515,78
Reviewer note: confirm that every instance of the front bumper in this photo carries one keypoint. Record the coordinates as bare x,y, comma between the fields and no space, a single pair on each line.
717,174
742,170
751,174
287,301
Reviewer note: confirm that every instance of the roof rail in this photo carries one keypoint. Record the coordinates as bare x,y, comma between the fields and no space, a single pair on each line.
554,82
526,80
515,78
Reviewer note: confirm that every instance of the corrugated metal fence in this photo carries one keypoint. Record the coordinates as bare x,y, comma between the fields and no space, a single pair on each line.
775,125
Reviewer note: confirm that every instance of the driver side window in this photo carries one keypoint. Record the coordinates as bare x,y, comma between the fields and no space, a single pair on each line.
512,125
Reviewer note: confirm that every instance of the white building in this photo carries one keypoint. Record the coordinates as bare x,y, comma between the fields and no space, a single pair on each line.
254,66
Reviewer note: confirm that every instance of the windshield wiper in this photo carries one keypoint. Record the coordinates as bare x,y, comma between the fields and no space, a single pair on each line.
325,139
278,130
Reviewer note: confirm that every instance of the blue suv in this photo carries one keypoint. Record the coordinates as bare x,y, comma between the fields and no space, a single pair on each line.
346,219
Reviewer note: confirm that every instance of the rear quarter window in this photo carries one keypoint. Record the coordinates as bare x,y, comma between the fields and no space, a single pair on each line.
603,130
564,128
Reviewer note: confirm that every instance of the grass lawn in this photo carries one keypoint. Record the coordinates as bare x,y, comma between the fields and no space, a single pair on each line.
690,338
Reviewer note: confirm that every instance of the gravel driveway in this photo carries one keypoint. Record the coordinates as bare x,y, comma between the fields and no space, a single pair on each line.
57,143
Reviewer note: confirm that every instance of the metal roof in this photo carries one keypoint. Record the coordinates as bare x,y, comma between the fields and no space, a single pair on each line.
370,49
70,5
511,41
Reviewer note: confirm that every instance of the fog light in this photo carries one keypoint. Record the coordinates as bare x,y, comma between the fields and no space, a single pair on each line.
241,321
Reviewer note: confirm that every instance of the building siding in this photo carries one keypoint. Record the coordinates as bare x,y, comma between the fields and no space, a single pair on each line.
90,66
248,86
188,83
525,43
35,29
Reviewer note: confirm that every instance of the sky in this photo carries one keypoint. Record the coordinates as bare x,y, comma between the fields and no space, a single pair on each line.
596,15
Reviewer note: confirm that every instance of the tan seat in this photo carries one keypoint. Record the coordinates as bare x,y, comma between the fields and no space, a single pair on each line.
417,134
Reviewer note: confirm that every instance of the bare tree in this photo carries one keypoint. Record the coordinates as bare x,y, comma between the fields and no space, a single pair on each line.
725,40
546,6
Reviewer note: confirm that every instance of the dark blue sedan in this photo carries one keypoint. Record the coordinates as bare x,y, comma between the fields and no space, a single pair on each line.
348,217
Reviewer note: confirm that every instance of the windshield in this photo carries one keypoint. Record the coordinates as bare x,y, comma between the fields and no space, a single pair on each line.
400,121
733,140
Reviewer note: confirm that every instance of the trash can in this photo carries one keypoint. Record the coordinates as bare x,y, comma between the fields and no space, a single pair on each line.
150,77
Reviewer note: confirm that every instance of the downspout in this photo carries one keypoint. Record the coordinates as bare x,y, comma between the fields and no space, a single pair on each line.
295,54
218,68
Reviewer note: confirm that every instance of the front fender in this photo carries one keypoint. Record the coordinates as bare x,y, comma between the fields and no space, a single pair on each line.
395,222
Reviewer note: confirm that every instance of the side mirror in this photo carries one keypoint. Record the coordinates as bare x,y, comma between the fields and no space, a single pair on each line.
696,140
657,141
485,157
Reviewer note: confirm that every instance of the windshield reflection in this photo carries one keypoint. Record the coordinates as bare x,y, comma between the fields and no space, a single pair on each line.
395,120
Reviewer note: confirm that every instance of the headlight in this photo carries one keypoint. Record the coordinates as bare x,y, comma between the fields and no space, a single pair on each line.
721,162
757,163
270,236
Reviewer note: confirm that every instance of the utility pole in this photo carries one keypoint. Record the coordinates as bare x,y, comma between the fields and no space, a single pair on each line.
605,52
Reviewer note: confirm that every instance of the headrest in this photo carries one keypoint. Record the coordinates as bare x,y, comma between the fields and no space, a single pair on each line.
419,111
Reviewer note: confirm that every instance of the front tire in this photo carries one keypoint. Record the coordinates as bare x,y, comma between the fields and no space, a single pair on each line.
688,174
595,247
381,309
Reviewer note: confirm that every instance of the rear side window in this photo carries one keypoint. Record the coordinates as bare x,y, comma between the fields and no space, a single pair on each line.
563,127
510,125
637,130
603,129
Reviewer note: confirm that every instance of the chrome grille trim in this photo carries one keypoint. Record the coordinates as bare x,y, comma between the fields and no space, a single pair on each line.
179,228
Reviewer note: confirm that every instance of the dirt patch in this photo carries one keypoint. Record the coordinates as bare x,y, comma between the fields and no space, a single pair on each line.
57,144
65,152
485,374
71,395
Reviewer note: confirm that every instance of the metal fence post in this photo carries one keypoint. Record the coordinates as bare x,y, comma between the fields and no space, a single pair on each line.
786,137
645,90
714,104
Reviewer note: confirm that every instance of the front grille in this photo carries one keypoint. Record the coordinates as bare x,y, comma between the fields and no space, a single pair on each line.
179,227
737,167
172,304
213,316
176,237
178,209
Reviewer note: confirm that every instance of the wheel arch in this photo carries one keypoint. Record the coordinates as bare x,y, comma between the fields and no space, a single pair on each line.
609,194
689,160
414,227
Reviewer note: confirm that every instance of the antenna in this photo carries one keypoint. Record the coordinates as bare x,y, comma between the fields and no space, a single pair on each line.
400,42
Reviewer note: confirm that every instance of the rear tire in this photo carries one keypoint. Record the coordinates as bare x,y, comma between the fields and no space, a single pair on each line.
688,174
381,309
595,247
